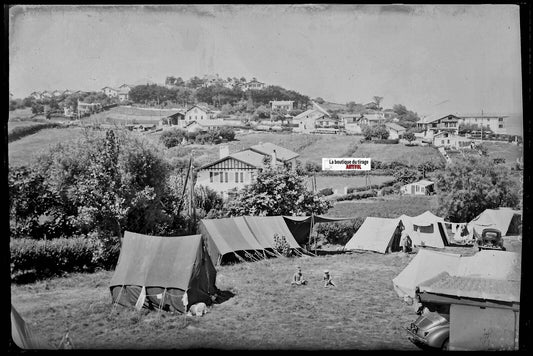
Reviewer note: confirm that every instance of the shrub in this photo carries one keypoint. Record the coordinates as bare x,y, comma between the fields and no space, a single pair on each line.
386,141
52,257
21,131
358,195
281,245
325,192
339,232
172,138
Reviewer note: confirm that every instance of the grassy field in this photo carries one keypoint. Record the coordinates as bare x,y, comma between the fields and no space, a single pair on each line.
507,151
23,151
385,207
265,312
338,183
20,114
400,153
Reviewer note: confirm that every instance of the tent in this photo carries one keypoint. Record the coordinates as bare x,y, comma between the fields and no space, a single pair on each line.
426,230
300,226
504,219
22,335
377,234
156,272
484,264
426,264
228,237
264,228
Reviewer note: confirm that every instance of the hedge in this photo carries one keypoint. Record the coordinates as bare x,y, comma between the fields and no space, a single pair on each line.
359,195
21,131
387,141
387,183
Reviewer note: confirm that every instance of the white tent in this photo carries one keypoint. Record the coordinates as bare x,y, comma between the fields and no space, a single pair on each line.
426,229
425,265
494,218
428,264
376,234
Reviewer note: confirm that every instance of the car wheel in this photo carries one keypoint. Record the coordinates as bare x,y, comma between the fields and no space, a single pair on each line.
445,345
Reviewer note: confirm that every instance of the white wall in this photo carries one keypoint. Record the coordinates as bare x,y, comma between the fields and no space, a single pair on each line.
204,179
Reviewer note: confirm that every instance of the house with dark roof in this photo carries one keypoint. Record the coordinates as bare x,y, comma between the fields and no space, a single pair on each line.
232,172
395,130
483,313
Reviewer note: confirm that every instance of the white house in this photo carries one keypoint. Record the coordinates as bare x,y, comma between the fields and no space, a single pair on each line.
46,94
496,123
232,172
110,92
395,131
124,92
36,95
448,139
422,187
287,105
198,112
254,84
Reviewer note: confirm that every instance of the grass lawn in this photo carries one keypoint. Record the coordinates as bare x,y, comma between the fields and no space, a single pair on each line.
20,114
23,151
385,207
338,182
265,313
507,151
398,152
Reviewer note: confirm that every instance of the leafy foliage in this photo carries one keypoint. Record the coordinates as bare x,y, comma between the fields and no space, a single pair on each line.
277,191
281,245
406,175
339,232
469,186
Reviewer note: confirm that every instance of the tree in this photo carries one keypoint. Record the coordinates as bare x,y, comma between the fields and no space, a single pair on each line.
409,136
380,132
377,100
469,186
367,131
406,175
37,108
277,191
319,100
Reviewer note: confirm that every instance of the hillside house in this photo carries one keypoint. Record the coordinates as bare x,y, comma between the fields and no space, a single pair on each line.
211,80
371,106
496,123
448,123
67,92
172,119
110,92
389,114
307,120
232,172
254,84
46,94
422,187
395,131
351,123
286,105
56,93
372,118
88,108
448,139
198,112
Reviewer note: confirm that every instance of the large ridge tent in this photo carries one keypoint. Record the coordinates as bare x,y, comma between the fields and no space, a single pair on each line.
156,272
23,336
265,227
504,219
426,230
377,234
228,236
484,264
300,226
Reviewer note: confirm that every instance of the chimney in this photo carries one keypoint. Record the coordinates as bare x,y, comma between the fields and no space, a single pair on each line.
274,161
224,151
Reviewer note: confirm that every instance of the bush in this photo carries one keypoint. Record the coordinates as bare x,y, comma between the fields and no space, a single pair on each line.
360,195
281,245
386,141
339,232
21,131
325,192
387,183
172,138
52,257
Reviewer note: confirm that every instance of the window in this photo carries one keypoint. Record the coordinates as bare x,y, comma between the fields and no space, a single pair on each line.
500,119
236,177
242,177
500,126
226,176
211,177
221,178
417,188
448,142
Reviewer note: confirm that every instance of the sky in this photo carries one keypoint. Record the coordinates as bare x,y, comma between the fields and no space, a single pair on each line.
432,59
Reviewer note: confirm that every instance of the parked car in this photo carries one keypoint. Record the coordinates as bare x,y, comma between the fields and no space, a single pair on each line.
490,239
430,331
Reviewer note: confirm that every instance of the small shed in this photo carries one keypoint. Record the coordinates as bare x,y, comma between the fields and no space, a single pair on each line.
422,187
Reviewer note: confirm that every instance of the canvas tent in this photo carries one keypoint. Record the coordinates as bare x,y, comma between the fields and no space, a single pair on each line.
504,219
377,234
426,229
484,264
22,334
155,272
264,228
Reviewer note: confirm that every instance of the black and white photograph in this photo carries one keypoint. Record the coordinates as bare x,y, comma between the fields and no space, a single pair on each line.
266,176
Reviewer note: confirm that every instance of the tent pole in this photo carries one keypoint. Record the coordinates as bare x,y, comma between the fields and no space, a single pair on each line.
116,300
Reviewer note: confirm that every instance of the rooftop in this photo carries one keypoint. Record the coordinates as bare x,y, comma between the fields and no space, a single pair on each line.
268,148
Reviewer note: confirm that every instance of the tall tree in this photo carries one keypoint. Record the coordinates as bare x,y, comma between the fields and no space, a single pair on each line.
377,100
